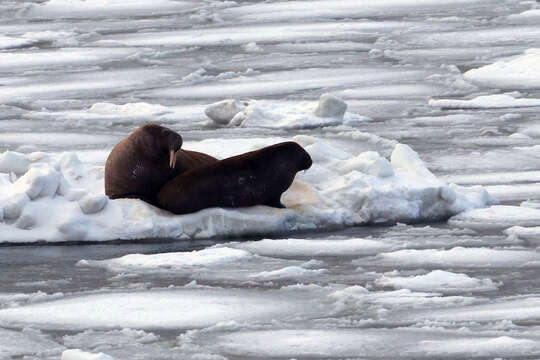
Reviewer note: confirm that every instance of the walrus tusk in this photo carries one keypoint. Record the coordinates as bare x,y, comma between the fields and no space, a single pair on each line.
172,158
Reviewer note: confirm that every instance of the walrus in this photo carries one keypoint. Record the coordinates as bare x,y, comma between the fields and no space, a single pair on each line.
254,178
142,163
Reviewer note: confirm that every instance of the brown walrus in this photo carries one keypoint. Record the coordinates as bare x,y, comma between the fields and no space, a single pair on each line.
142,163
254,178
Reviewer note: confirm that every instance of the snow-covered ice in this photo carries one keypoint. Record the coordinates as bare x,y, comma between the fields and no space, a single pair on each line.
342,188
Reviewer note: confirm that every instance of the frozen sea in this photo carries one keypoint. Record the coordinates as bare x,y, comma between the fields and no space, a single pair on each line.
413,235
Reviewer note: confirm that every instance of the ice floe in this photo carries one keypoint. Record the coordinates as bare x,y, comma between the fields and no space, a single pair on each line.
342,188
461,257
519,72
26,343
161,309
526,308
348,343
486,101
172,261
438,281
309,248
497,217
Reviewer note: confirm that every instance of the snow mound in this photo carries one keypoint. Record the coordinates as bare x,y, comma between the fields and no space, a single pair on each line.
330,111
60,197
521,72
76,354
485,102
438,281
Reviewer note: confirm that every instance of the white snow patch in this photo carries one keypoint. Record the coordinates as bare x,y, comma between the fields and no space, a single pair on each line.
438,281
520,72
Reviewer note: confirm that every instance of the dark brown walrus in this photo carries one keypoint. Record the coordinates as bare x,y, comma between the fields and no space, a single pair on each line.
254,178
142,163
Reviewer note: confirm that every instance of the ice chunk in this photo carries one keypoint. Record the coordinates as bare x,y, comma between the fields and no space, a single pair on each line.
223,111
406,159
14,162
91,204
438,281
76,354
331,106
38,182
368,162
14,205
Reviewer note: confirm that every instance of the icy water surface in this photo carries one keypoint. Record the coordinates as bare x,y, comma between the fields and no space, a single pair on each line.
458,81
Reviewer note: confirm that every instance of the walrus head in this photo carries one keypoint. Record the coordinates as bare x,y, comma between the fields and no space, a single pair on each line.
293,153
161,142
